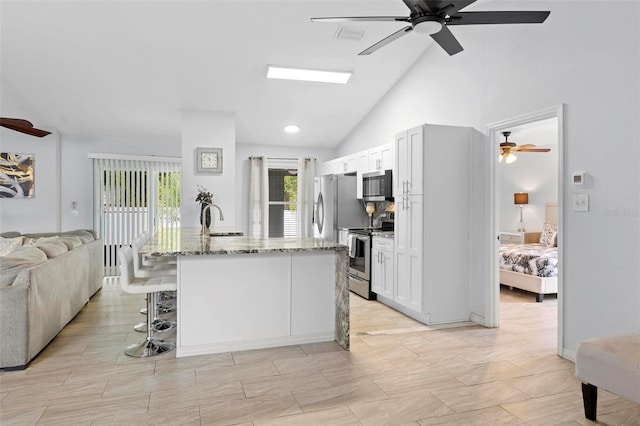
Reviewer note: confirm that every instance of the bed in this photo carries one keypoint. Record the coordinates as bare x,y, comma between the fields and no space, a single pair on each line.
533,267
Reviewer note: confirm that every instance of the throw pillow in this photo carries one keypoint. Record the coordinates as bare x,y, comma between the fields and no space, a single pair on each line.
7,245
548,230
71,242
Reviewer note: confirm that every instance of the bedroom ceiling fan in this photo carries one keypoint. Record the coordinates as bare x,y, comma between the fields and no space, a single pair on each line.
22,126
507,147
433,17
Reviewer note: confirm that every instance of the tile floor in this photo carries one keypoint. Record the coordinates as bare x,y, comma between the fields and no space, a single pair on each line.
398,372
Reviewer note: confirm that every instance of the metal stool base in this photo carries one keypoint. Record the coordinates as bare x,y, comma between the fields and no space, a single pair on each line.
149,348
159,326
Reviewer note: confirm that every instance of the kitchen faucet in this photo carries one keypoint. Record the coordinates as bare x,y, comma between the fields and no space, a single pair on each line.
204,215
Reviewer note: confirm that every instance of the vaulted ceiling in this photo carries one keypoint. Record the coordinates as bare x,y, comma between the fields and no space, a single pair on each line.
123,68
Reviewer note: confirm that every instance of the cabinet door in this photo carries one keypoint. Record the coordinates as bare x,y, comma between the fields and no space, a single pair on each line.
401,167
415,160
362,167
386,157
388,271
377,273
408,253
374,159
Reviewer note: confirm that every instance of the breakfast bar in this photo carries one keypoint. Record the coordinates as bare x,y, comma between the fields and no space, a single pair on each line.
238,293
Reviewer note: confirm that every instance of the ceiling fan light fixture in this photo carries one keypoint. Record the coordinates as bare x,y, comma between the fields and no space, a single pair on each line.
510,158
428,26
302,74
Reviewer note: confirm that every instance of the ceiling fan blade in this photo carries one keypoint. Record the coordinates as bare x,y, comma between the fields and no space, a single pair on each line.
387,40
447,41
525,146
534,150
22,126
419,6
498,17
450,6
363,19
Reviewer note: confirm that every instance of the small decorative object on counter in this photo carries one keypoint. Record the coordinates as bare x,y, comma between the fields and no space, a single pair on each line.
204,197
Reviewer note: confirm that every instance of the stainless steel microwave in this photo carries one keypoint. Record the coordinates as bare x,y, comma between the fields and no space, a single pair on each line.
377,186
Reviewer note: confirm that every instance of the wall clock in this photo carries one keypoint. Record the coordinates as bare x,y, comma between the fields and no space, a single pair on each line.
209,160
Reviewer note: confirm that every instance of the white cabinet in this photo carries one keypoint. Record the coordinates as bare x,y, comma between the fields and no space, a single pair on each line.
362,165
382,269
409,162
432,224
381,158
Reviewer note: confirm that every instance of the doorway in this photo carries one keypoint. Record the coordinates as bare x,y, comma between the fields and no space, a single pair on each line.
533,206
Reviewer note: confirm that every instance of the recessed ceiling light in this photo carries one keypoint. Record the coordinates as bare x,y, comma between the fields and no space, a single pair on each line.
340,77
292,128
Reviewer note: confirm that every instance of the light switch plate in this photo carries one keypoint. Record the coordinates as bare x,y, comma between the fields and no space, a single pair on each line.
581,203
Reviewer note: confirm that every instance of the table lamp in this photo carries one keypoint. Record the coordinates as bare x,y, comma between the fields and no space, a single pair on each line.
520,199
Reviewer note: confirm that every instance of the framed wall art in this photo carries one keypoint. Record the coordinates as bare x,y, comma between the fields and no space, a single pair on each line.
17,178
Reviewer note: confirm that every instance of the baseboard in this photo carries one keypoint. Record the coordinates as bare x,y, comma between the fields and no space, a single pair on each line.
567,354
214,348
478,319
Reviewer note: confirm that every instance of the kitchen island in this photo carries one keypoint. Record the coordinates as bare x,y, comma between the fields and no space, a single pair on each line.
237,293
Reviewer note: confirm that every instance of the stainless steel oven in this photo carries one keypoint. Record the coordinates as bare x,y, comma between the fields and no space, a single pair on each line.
359,243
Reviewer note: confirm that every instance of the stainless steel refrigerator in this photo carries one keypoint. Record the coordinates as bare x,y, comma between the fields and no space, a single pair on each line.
336,206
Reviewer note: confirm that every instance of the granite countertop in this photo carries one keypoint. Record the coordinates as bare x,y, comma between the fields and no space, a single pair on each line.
189,242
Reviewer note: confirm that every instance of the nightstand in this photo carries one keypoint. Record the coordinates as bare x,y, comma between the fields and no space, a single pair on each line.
514,237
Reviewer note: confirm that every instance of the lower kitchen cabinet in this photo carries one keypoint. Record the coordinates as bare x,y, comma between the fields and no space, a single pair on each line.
382,268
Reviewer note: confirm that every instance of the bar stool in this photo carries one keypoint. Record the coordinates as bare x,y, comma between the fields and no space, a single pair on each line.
149,286
157,269
141,271
150,260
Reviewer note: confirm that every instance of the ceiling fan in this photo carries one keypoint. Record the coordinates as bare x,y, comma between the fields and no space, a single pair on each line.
22,126
507,147
432,17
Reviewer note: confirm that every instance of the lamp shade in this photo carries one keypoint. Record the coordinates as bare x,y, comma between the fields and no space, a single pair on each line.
521,198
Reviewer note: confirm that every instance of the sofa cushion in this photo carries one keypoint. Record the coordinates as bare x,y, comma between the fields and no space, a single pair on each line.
85,236
34,241
18,260
71,242
52,248
10,234
7,245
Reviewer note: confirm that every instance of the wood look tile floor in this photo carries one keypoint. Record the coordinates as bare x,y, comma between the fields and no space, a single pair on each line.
398,372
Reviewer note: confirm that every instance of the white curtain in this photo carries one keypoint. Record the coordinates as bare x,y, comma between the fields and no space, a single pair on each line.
259,197
306,174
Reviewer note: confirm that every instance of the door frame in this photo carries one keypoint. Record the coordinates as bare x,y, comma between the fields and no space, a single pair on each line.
492,308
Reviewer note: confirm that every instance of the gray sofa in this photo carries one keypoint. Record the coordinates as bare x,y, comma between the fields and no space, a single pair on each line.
43,286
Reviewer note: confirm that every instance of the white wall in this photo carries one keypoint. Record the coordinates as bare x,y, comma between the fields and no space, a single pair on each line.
535,174
506,71
212,130
244,151
40,213
77,169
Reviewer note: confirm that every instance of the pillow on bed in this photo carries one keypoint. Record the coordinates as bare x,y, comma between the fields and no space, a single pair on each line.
548,235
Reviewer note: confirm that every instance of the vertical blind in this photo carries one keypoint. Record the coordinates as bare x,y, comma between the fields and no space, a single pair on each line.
133,195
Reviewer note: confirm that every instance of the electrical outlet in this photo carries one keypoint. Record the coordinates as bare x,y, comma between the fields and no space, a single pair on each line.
74,213
581,203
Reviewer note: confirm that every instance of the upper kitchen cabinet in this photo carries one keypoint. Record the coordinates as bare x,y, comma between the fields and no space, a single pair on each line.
380,158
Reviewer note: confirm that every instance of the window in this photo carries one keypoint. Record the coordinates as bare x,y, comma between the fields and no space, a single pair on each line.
132,195
283,190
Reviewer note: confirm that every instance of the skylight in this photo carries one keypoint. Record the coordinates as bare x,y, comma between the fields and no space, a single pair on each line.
301,74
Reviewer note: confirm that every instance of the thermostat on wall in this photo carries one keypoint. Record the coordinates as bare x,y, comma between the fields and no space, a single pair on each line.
580,178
